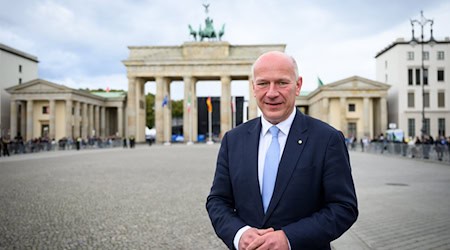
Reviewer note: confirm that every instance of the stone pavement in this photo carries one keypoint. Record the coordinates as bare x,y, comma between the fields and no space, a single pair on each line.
154,198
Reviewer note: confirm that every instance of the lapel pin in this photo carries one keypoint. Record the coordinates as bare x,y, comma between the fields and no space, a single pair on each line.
300,142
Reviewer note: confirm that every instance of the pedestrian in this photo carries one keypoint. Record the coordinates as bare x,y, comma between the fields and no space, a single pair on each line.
5,142
282,181
125,142
79,141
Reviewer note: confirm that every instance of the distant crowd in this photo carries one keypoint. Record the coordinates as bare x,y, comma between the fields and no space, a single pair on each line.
19,146
426,148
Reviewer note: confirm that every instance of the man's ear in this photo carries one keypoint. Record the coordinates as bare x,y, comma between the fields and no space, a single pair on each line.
298,85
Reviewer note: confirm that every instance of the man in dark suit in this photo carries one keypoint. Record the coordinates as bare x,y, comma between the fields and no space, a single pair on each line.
309,199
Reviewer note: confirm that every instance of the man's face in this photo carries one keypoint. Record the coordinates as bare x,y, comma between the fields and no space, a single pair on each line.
275,86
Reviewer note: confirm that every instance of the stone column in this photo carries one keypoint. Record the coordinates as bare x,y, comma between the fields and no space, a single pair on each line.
103,122
187,107
343,112
120,121
194,108
13,120
23,119
325,109
69,119
140,115
167,113
252,105
30,123
366,117
132,109
51,119
384,115
84,122
97,120
225,105
159,116
91,120
372,119
77,120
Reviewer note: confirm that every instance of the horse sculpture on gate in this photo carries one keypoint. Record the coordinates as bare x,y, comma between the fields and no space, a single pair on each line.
192,32
209,31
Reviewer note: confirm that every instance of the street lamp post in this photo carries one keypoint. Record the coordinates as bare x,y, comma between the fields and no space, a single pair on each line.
422,23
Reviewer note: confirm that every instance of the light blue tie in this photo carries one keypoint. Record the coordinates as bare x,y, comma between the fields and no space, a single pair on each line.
270,168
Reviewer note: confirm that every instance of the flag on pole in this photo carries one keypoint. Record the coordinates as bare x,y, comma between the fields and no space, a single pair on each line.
165,101
319,82
189,104
209,104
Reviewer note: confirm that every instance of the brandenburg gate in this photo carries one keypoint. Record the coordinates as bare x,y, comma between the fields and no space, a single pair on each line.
191,62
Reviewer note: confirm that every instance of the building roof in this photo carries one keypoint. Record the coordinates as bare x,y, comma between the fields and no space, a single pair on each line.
18,53
400,41
109,94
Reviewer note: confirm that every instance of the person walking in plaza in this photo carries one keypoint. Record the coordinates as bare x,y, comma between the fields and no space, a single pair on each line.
282,181
5,142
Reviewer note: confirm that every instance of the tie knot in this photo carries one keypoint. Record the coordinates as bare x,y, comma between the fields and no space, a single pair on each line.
274,131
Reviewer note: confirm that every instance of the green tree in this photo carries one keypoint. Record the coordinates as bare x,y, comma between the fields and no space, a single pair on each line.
150,110
177,109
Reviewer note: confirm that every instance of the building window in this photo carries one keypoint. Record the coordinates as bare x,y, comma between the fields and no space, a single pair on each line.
441,126
412,127
73,111
426,55
385,64
427,126
410,77
20,80
410,55
45,110
385,78
418,81
411,100
441,99
20,68
440,55
425,76
351,107
426,99
440,75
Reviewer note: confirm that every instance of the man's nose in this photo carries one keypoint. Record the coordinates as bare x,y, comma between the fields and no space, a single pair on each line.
273,90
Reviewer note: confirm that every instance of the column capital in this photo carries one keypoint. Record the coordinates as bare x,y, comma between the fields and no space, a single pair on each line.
225,78
189,79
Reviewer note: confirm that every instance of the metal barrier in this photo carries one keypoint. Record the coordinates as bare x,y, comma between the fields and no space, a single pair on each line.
62,145
436,152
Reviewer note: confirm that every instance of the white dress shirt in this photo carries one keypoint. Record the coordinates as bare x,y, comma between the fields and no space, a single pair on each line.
265,138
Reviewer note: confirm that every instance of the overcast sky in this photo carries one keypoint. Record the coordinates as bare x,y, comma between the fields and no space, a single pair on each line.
82,43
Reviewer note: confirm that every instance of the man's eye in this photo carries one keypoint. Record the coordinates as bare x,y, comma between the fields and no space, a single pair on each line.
283,84
262,84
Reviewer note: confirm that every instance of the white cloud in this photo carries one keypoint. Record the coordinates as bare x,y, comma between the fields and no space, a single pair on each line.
82,43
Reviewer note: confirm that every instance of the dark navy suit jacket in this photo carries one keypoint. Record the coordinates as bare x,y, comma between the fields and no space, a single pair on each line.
314,200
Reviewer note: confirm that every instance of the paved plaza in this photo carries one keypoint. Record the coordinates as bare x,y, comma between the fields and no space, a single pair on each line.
154,198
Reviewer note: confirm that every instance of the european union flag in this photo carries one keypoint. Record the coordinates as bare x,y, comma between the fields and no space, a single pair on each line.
165,101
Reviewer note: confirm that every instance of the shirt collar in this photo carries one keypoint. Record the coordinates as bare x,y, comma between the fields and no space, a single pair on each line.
283,126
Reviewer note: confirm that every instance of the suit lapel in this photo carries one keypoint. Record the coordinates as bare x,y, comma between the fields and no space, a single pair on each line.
251,165
293,149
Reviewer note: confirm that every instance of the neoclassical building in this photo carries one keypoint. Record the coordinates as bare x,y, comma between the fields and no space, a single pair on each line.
42,108
355,105
191,62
